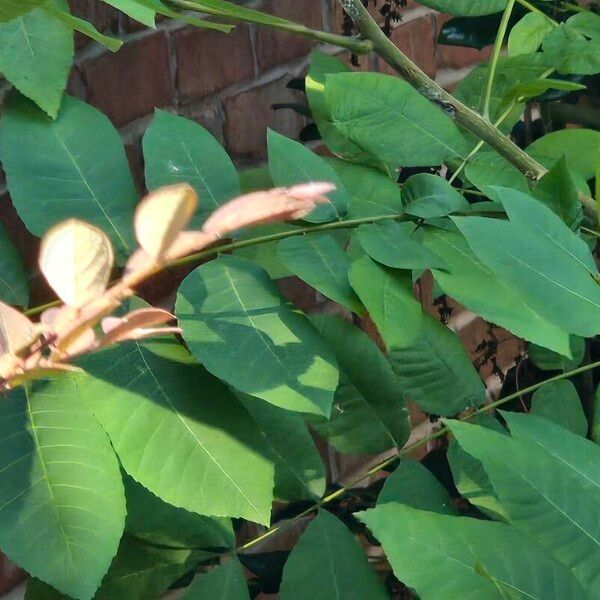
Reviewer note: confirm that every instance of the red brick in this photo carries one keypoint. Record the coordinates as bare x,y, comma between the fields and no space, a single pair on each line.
276,47
416,39
457,57
104,17
209,61
248,115
130,83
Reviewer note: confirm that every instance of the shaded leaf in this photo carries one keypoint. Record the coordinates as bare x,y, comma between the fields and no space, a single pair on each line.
236,323
553,361
14,282
178,150
61,496
429,196
558,401
466,8
490,168
528,34
328,564
225,582
54,173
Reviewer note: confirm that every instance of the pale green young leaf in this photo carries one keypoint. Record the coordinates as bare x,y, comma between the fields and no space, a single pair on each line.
328,564
569,51
291,162
528,34
36,52
429,196
443,556
135,10
397,245
299,470
321,262
177,430
414,485
62,505
162,8
178,150
559,402
239,327
389,119
224,582
469,281
54,172
369,414
543,469
537,87
14,280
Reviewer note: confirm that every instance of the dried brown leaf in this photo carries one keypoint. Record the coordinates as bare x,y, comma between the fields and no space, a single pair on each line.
76,259
161,216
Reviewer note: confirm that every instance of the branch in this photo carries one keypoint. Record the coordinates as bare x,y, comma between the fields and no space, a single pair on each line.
239,13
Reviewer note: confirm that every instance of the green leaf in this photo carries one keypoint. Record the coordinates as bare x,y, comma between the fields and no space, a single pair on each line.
477,288
369,414
469,474
54,171
443,556
178,150
322,263
14,280
299,470
586,23
414,485
239,327
436,372
539,255
161,8
389,119
328,564
225,582
135,10
537,87
558,361
36,53
372,193
38,590
143,571
579,147
466,8
11,9
543,469
397,245
571,52
290,163
558,192
151,519
178,431
489,168
389,299
62,506
528,34
429,196
558,401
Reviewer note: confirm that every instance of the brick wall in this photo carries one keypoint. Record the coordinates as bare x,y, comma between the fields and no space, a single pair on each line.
228,84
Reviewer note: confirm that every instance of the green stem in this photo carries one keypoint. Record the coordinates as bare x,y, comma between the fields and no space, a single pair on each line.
227,10
465,116
407,449
500,35
534,9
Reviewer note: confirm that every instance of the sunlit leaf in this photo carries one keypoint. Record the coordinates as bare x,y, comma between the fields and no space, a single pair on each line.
77,260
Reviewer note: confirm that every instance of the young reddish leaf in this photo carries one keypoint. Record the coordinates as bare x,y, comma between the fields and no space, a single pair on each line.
278,204
76,259
136,325
162,215
16,330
